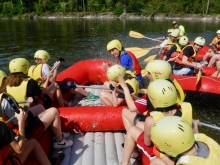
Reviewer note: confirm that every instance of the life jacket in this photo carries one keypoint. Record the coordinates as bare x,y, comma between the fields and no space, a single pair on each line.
190,59
35,71
136,65
177,52
217,46
133,82
19,92
213,157
5,159
186,110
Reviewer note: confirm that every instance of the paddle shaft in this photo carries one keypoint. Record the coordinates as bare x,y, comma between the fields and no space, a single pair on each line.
210,126
13,117
92,87
45,76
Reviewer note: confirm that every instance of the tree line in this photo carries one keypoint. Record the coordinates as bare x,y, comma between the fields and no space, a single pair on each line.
39,7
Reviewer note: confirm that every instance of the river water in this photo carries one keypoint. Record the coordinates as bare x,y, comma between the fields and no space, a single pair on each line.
79,39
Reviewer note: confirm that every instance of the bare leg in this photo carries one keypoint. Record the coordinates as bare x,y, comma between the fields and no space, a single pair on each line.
37,109
79,91
209,53
157,161
32,146
128,118
140,125
213,60
106,97
51,117
217,72
53,89
130,143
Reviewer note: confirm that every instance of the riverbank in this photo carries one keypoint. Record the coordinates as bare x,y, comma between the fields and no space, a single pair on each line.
110,15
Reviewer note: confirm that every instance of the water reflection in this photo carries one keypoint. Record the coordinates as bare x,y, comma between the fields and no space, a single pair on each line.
79,39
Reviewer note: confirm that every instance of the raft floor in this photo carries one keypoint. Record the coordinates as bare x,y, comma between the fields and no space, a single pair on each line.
94,148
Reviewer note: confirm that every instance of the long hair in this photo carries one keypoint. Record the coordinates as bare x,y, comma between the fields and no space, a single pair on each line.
15,79
5,135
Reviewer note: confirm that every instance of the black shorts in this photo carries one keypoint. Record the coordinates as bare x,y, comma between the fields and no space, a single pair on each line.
139,117
34,127
47,101
66,86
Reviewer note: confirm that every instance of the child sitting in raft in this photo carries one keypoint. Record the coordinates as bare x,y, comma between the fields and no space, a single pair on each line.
16,151
112,97
183,146
19,84
138,110
41,69
163,96
125,58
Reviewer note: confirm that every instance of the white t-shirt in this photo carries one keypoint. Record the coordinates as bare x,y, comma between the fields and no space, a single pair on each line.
45,70
164,43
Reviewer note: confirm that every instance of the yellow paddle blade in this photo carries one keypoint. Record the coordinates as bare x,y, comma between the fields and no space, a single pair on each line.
138,52
1,119
199,75
180,92
136,34
143,91
150,58
136,49
143,72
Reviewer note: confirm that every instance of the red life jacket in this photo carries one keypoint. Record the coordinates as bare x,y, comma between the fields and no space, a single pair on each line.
190,59
136,65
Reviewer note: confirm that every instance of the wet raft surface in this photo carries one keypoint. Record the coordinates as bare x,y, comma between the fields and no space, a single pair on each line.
94,148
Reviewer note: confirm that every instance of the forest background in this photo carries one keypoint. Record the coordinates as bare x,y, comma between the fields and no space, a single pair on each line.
22,8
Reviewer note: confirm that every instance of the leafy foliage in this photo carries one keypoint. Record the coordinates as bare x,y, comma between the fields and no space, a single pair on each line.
17,7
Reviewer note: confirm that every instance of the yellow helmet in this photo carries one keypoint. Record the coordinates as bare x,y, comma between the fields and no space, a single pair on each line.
162,93
218,32
159,69
114,44
114,71
43,55
200,41
183,41
172,135
175,33
133,82
19,65
174,22
2,76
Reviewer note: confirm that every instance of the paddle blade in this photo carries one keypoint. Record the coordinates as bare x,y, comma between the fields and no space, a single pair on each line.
143,72
138,52
150,58
199,75
136,34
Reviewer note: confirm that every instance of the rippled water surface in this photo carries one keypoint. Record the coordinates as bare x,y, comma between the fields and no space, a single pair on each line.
79,39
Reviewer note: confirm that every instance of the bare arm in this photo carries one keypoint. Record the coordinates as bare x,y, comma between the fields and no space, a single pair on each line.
19,146
129,100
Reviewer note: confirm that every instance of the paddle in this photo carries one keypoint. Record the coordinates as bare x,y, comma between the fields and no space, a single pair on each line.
150,58
119,90
139,35
199,75
92,87
51,71
17,111
210,126
140,52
